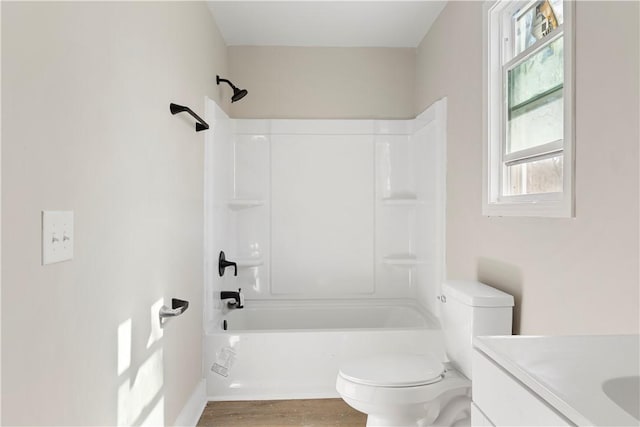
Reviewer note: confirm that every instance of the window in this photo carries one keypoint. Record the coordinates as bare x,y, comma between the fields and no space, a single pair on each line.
529,108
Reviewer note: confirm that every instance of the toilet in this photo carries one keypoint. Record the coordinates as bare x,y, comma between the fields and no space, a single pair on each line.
420,389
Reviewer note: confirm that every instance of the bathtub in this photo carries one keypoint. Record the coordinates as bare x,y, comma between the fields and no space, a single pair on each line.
293,350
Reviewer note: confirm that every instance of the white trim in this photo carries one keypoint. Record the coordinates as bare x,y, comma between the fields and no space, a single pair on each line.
494,204
268,395
210,115
0,213
441,187
534,49
568,175
193,409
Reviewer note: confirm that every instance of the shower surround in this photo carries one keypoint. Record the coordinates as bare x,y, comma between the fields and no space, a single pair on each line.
325,219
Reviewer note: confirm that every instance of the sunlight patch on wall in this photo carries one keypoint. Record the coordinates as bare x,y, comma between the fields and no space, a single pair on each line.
140,394
136,398
124,346
155,334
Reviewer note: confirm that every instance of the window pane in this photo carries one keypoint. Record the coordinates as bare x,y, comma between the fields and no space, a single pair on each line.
535,104
536,22
539,124
538,74
538,176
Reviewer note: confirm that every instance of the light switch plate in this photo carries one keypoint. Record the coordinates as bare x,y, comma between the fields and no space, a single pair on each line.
57,236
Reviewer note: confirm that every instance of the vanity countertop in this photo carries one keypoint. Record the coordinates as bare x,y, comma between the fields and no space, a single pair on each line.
571,373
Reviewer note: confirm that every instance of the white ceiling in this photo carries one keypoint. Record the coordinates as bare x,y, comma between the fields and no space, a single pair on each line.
325,23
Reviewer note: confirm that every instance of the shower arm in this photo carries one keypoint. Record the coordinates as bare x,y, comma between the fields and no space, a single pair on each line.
200,125
219,79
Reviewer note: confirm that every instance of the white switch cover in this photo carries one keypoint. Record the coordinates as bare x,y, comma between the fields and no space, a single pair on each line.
57,236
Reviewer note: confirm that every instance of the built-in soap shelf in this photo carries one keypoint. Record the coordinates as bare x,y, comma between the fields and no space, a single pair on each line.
402,260
249,262
397,201
238,204
402,198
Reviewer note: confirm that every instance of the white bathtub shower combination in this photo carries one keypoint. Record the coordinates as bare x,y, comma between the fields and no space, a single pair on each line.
337,228
280,350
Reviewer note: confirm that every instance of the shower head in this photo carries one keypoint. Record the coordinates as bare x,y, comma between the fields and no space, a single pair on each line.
238,94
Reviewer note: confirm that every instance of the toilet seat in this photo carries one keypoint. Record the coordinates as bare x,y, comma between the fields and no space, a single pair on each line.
394,370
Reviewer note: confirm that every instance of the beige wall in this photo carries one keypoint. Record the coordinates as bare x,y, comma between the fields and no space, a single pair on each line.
85,94
570,276
86,126
323,83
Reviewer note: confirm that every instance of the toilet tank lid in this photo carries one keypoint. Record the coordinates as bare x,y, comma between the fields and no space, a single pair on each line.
476,294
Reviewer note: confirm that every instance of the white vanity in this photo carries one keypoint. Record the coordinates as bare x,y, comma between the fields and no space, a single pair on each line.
556,381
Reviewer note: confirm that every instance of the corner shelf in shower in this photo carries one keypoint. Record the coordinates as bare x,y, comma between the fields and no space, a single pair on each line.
402,201
238,204
402,260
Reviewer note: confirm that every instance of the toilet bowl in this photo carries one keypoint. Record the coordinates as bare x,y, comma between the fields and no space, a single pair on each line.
396,390
404,390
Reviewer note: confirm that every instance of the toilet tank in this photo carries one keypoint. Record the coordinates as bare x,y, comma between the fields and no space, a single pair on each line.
469,309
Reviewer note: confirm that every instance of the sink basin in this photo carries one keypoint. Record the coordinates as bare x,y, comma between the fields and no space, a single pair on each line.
592,380
624,392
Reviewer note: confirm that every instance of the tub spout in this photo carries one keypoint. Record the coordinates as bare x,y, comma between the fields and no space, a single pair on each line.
238,298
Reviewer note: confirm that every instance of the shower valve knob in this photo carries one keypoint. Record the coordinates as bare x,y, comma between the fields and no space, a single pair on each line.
223,263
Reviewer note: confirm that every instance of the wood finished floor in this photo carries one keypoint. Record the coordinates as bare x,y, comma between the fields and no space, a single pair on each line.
272,413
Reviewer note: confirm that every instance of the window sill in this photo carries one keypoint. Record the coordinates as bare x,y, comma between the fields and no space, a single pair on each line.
530,208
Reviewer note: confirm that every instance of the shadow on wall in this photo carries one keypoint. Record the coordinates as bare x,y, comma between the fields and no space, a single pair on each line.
141,373
507,278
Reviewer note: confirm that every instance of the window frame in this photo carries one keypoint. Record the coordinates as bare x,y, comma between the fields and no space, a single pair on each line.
497,20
